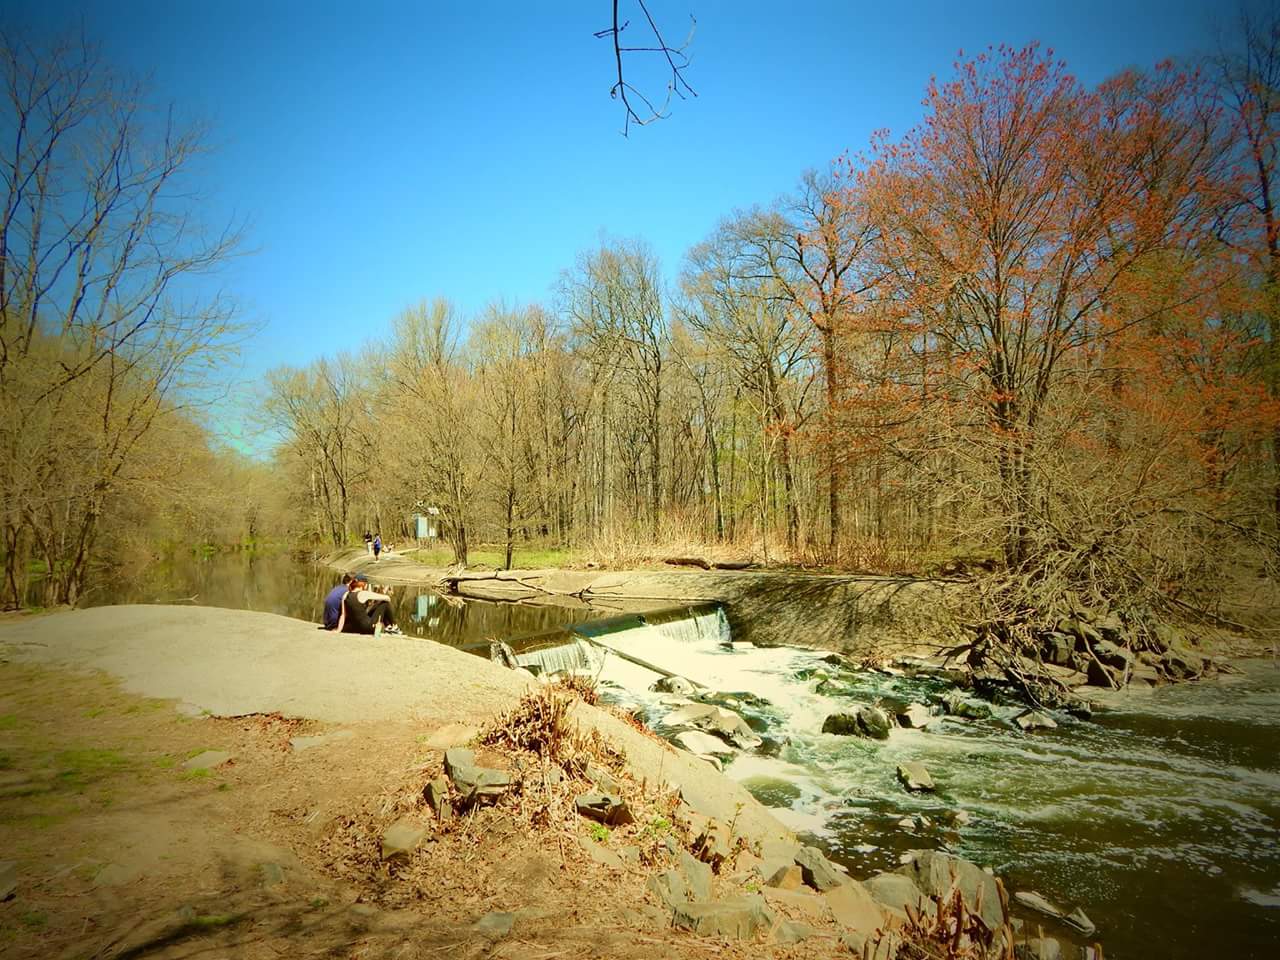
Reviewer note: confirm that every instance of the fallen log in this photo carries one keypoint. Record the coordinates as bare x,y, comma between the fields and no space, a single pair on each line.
688,562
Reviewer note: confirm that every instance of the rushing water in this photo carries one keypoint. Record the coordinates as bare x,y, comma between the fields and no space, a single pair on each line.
1160,817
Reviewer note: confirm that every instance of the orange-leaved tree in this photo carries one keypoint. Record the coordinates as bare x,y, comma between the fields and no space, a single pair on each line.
1009,222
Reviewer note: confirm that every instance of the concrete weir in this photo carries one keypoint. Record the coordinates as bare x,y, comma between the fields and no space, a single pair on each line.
849,614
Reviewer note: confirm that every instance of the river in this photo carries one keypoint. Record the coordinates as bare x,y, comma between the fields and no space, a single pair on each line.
1160,817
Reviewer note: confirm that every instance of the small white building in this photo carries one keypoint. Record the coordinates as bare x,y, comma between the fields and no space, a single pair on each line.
426,526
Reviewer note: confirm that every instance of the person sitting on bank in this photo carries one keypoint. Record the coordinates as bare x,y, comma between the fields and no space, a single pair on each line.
333,603
368,619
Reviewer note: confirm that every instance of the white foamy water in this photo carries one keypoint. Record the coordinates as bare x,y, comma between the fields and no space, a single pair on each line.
1163,800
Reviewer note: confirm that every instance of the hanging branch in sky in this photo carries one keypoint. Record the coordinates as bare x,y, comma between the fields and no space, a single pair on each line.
639,109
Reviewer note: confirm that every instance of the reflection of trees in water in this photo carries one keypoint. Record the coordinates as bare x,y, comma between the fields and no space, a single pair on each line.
273,582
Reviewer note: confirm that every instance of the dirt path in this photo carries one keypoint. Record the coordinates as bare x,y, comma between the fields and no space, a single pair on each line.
116,849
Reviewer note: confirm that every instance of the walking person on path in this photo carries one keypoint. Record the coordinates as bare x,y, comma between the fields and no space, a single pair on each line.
377,545
368,541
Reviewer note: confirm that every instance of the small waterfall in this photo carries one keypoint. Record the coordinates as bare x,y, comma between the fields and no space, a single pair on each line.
708,624
578,654
657,642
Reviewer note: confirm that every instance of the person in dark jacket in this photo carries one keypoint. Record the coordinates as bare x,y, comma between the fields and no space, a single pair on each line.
333,603
366,616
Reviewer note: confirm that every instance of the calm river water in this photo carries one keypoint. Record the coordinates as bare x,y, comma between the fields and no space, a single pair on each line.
1161,817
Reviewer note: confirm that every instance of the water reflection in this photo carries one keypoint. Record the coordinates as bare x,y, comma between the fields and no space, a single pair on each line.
275,582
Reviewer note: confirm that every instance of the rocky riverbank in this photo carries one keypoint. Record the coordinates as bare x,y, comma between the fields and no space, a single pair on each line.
870,621
391,795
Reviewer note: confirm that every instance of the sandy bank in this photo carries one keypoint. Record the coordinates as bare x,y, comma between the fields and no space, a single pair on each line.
237,662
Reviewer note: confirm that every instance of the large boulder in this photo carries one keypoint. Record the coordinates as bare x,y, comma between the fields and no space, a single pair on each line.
674,685
1035,720
864,722
704,745
1113,655
1101,675
937,874
1111,627
915,777
854,908
735,919
897,893
841,724
1081,630
958,705
874,722
1057,648
697,876
1179,663
819,872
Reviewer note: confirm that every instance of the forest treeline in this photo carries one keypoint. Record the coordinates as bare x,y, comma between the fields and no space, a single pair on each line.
107,354
1039,330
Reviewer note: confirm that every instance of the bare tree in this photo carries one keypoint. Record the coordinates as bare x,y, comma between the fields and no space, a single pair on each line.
1249,82
615,301
97,235
638,108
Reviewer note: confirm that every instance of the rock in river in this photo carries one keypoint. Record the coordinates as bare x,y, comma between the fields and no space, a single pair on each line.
914,716
864,722
915,776
1035,720
958,705
674,685
704,745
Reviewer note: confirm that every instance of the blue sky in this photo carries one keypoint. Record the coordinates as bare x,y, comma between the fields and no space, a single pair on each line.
386,152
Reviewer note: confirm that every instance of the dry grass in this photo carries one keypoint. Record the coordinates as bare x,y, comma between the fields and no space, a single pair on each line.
953,932
582,687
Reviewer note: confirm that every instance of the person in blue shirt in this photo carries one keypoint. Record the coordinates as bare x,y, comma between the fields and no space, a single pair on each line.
333,602
377,545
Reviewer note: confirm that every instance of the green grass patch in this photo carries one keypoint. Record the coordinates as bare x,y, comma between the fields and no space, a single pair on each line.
599,832
8,721
212,921
199,773
82,766
34,920
523,558
145,706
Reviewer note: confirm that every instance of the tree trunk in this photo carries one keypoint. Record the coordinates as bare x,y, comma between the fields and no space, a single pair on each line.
832,460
